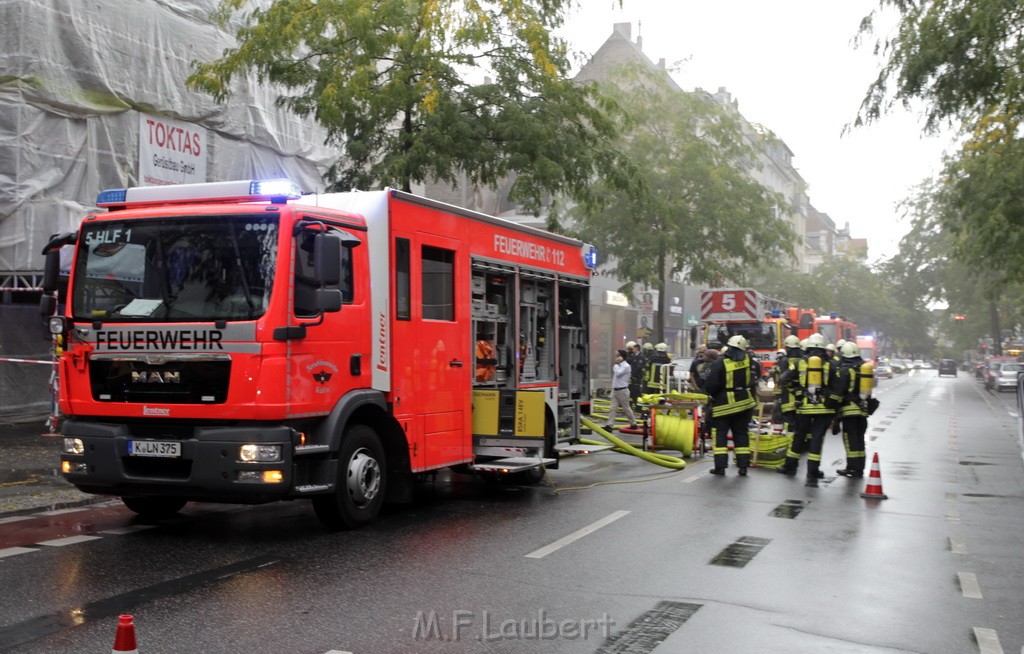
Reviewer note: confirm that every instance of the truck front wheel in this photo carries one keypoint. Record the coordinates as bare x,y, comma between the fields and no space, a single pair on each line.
362,477
154,507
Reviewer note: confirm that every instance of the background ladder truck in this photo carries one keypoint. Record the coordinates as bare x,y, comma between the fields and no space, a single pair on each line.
235,342
763,321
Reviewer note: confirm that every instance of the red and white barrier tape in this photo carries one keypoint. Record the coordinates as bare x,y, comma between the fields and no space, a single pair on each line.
24,360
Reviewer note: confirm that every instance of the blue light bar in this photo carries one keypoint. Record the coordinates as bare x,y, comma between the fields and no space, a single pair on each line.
276,188
776,313
272,190
589,256
111,196
833,315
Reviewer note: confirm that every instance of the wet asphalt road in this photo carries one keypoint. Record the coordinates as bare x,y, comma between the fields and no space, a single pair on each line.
654,562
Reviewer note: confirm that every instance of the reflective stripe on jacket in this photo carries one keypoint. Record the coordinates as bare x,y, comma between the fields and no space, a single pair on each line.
729,385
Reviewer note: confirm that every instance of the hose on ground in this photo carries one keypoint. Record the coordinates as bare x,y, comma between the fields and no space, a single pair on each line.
622,446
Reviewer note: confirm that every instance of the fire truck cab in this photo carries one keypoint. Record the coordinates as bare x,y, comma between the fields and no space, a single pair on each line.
235,342
761,320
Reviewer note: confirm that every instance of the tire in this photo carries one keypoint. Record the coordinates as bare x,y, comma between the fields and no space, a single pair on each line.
362,481
154,507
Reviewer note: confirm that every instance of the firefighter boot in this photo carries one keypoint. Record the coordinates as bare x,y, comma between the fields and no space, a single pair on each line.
813,474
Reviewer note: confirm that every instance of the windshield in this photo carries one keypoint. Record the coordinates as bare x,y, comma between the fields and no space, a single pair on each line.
759,335
1010,368
176,269
828,330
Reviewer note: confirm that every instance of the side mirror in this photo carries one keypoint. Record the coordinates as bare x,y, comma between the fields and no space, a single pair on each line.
327,258
47,305
328,300
51,271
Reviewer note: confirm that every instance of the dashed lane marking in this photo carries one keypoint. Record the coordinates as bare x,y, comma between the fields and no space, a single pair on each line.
130,529
969,585
68,540
11,551
576,535
988,641
952,516
957,545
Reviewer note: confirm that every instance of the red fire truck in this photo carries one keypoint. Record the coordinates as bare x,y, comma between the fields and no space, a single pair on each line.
235,342
762,320
835,327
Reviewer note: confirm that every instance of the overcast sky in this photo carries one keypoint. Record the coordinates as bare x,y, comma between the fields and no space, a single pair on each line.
792,67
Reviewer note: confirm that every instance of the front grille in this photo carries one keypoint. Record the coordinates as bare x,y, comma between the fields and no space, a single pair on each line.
174,382
157,468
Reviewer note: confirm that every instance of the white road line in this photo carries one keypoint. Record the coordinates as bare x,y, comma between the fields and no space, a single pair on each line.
63,511
988,641
969,585
952,516
336,651
130,529
693,478
957,545
68,540
576,535
17,518
11,551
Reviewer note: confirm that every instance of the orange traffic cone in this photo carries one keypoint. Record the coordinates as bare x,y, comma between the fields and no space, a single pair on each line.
873,490
124,641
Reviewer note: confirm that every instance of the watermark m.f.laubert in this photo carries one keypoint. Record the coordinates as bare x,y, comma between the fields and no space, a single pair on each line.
486,626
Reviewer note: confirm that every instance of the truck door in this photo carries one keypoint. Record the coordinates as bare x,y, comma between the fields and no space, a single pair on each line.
440,343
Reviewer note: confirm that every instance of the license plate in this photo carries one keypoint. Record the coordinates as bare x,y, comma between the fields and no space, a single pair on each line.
154,448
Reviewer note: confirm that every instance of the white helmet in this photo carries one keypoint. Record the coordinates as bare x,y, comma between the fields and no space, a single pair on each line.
780,354
840,343
816,340
850,350
737,341
631,344
648,346
804,345
661,347
792,341
830,347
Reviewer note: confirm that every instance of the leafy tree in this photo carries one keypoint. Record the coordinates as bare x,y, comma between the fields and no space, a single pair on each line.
703,215
964,58
414,91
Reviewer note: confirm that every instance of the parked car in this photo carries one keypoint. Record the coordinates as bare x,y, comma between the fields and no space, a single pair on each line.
1006,375
947,367
883,371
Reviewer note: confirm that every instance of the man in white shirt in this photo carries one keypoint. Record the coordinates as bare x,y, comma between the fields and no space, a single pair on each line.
620,392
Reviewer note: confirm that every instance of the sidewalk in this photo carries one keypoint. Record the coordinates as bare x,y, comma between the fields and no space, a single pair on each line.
29,475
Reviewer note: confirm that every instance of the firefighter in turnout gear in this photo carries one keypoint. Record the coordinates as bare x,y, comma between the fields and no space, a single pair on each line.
731,386
854,377
814,409
788,392
660,357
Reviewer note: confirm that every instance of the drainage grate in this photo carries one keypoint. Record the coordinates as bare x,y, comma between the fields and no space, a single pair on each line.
650,629
740,553
788,509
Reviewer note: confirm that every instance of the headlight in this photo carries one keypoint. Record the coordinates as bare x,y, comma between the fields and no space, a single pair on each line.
56,325
253,453
74,446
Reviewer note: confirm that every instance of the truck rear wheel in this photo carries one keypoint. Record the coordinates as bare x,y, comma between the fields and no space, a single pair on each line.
154,507
362,478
